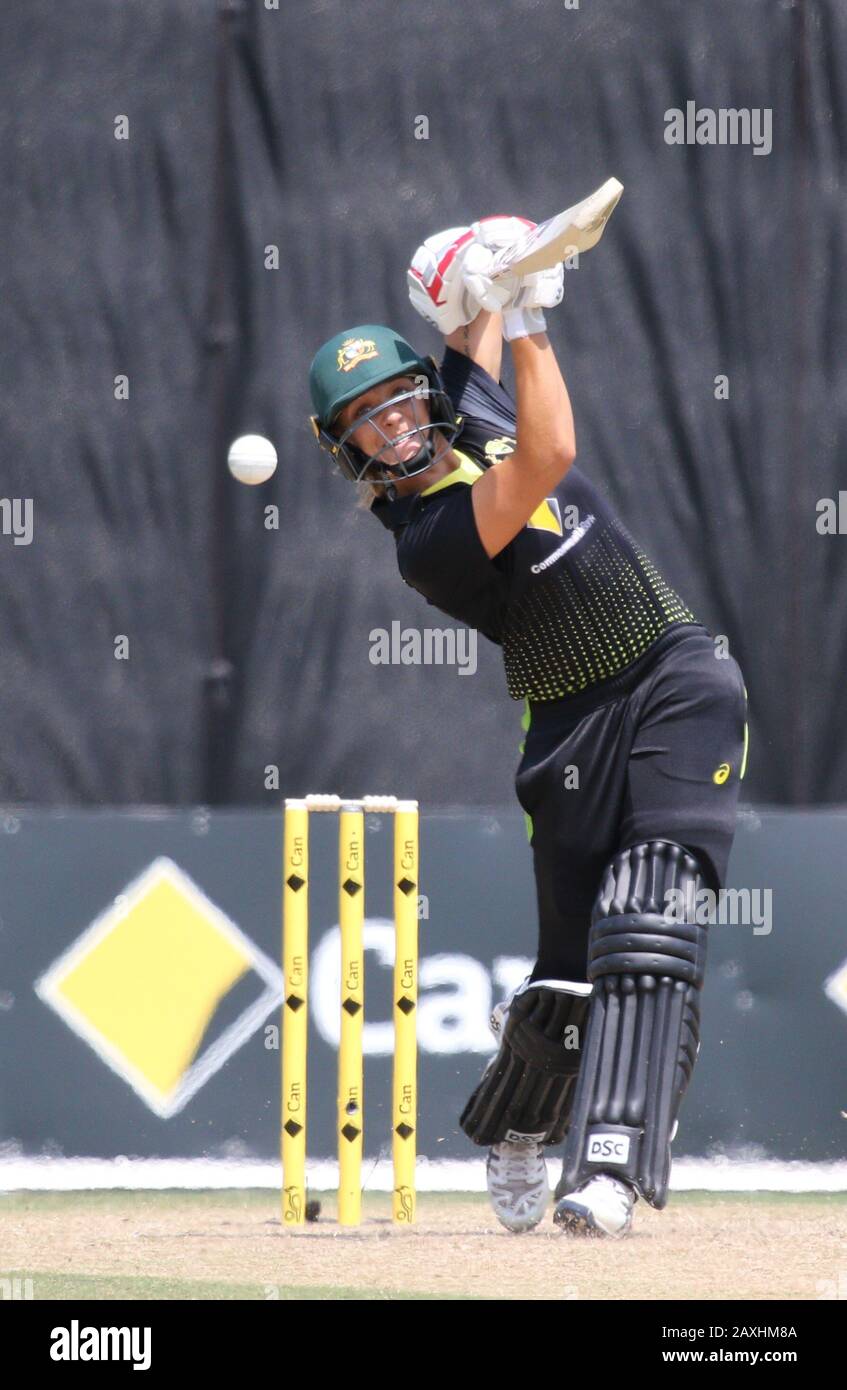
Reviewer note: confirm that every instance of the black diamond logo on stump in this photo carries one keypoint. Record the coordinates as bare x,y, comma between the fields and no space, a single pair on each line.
294,1002
350,1133
405,1004
405,885
351,886
404,1130
295,883
292,1128
351,1007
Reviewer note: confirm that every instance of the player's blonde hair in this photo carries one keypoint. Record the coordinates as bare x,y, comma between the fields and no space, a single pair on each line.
366,493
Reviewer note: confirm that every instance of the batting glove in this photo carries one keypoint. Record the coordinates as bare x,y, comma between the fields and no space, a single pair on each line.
493,295
449,280
436,279
530,294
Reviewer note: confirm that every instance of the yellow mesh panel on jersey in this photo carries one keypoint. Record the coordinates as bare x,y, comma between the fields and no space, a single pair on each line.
587,620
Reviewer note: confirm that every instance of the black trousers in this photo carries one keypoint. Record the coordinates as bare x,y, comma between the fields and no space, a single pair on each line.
657,754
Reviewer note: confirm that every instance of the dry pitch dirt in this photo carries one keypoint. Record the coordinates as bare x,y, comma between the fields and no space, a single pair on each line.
732,1246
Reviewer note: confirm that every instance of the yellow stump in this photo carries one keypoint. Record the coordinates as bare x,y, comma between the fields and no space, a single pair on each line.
351,872
404,1109
295,1011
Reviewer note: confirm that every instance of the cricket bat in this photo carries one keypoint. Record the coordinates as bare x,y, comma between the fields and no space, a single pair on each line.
576,229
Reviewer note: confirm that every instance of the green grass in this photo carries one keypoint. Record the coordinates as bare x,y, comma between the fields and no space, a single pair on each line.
134,1199
125,1206
111,1199
760,1199
52,1286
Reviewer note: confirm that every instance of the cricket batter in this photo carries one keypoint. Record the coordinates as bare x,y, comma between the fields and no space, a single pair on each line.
635,730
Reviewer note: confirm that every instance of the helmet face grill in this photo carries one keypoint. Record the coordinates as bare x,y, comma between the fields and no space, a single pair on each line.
375,468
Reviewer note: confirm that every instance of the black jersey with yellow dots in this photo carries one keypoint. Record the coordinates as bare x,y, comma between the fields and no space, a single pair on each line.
573,600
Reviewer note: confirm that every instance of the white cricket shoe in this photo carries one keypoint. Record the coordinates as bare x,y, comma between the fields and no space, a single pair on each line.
600,1207
516,1174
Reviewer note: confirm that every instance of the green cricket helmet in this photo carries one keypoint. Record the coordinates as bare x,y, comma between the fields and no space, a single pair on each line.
352,363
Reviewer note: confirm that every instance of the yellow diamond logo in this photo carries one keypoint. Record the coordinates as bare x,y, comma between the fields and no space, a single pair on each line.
148,984
547,517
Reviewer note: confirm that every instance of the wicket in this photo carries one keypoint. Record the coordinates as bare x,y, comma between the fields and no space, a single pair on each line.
295,947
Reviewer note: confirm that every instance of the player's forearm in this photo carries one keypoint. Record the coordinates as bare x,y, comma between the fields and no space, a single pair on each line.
545,425
481,340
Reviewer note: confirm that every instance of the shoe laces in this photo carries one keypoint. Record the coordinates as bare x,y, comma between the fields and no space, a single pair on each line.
518,1161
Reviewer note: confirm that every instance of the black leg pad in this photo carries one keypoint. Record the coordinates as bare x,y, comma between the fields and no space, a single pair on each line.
647,965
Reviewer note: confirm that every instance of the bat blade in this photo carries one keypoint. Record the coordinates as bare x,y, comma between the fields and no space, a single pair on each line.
576,229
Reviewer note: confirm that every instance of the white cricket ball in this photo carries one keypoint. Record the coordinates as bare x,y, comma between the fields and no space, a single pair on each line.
252,459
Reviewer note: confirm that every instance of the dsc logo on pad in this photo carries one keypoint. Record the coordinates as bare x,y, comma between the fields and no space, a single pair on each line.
606,1148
